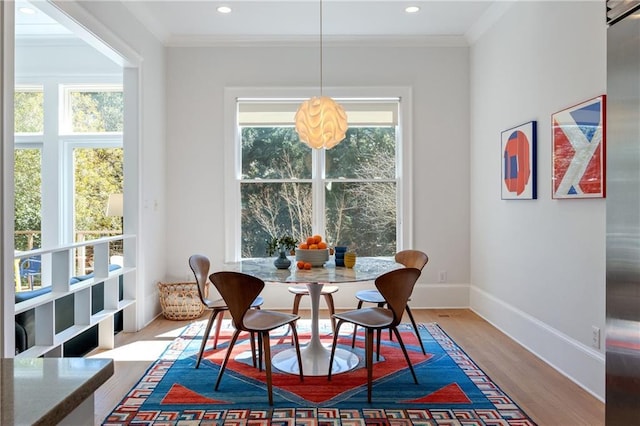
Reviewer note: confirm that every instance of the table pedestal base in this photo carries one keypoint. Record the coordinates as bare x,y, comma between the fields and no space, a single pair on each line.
315,361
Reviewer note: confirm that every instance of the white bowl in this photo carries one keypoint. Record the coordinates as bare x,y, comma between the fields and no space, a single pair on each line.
314,257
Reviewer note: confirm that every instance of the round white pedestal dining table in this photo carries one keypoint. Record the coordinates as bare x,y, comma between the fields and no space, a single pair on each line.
315,356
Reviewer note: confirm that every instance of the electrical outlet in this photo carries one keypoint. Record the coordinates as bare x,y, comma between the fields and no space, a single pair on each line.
442,276
595,337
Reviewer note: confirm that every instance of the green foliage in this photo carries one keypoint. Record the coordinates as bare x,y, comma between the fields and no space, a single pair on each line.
28,199
29,112
274,153
98,173
97,111
284,242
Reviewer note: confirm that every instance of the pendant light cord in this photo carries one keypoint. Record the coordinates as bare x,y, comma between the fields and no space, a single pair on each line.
320,47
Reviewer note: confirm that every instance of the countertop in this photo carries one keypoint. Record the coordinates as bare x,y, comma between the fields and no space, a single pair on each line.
39,391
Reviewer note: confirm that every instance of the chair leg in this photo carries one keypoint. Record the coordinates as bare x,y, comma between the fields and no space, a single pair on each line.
264,335
260,352
296,306
415,328
218,328
226,357
355,328
328,298
381,305
369,362
333,347
252,336
205,337
406,355
294,335
379,336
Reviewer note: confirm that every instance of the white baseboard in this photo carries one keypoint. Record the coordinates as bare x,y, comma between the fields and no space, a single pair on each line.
578,362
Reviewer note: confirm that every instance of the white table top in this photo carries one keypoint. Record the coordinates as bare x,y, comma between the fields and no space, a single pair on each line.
365,269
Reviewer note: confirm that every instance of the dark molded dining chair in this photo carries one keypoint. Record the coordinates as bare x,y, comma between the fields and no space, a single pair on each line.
200,265
395,287
410,259
238,291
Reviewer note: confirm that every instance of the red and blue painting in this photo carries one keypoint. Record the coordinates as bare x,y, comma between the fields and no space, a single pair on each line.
519,162
578,135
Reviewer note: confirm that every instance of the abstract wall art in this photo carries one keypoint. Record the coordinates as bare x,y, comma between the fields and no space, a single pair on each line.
578,136
519,162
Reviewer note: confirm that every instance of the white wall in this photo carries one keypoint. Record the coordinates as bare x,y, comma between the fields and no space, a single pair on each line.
538,266
114,24
439,80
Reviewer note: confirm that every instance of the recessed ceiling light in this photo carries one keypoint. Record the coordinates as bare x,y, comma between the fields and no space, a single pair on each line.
27,11
412,9
224,9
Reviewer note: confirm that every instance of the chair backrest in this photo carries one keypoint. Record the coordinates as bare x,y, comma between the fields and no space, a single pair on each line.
31,265
200,265
412,258
238,290
396,288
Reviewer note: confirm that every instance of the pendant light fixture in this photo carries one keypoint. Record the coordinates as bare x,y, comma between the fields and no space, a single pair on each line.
320,121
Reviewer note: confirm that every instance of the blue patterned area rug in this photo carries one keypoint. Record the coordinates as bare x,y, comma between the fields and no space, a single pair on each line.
452,390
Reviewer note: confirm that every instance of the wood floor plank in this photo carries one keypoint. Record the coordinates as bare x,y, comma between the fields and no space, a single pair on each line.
544,394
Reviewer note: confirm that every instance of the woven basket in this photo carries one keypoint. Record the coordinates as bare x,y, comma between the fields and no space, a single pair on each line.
180,301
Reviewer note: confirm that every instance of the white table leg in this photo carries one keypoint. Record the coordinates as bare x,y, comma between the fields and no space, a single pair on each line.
315,356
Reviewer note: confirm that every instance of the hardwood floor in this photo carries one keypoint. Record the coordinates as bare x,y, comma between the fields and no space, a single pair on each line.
543,393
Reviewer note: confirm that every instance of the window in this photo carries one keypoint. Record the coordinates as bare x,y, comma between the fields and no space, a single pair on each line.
29,110
92,109
89,140
350,194
92,121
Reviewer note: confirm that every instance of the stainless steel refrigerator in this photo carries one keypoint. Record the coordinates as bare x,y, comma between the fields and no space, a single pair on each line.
623,214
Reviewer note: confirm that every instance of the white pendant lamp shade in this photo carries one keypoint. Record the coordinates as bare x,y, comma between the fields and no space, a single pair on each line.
321,122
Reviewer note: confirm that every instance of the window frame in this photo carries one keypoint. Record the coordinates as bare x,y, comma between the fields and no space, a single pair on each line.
233,158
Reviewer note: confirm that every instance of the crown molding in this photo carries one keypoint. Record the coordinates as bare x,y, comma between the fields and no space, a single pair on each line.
307,41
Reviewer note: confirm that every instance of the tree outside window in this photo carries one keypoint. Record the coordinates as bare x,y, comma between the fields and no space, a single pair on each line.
29,122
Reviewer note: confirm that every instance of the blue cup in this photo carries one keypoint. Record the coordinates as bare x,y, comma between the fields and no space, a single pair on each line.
339,252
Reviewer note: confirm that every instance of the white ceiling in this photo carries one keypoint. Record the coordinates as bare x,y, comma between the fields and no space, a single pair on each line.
177,22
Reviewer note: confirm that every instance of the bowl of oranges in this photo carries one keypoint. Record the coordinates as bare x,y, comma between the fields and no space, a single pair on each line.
313,251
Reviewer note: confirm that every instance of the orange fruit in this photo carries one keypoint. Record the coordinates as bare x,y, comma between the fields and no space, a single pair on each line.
303,246
317,238
300,264
307,265
311,240
313,247
322,245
